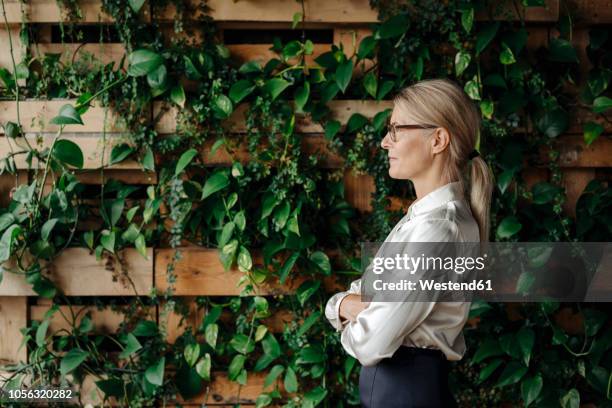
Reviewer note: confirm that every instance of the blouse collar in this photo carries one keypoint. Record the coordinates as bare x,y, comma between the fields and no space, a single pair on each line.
440,196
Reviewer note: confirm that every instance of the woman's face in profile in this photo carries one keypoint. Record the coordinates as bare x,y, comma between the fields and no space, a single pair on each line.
410,155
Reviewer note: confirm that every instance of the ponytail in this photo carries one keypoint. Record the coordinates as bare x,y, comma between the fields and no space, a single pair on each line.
481,188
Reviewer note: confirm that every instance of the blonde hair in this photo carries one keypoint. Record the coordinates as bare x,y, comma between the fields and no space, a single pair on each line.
444,103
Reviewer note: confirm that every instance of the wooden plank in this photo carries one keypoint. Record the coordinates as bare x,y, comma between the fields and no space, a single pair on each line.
36,114
13,317
341,111
49,11
91,145
200,273
311,145
77,273
588,12
105,321
359,189
509,10
223,391
96,53
241,53
19,50
573,151
340,11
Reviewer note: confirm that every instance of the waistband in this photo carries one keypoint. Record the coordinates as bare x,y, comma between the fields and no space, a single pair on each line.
405,351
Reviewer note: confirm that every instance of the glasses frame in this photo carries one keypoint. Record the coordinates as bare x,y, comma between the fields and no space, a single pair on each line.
392,129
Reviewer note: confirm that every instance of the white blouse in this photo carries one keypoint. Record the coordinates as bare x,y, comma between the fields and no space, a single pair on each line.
443,215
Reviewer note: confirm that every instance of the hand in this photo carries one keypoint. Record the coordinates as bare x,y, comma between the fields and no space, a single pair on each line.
351,306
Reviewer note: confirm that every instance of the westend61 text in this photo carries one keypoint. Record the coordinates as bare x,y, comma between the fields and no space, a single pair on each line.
475,285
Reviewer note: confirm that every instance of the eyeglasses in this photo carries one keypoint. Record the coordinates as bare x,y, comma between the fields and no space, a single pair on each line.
392,128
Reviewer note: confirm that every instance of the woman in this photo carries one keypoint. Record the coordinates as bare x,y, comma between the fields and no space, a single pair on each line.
404,347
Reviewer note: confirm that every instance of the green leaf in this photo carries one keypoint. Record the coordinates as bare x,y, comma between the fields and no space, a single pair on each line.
108,241
366,46
157,79
192,353
41,332
488,348
462,61
526,339
545,192
561,50
485,36
344,72
72,360
47,228
228,252
297,17
311,355
393,27
177,95
141,246
506,57
120,153
241,90
68,115
531,388
331,129
136,5
553,122
155,373
467,19
602,104
143,62
512,373
203,367
184,161
6,220
488,370
281,215
487,108
276,86
592,130
301,96
214,183
322,261
148,160
508,227
370,83
226,233
290,382
8,239
69,153
571,399
472,89
273,375
245,263
210,334
261,331
504,180
236,366
223,107
12,130
308,322
306,290
132,345
288,266
131,233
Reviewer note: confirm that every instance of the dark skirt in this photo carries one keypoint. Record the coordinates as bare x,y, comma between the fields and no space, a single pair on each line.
411,378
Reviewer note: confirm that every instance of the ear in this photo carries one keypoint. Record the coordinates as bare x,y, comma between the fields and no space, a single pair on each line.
439,140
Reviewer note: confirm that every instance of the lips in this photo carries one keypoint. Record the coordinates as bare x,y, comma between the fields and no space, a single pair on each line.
392,158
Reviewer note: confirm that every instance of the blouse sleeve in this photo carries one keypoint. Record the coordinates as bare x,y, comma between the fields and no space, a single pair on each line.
379,330
332,308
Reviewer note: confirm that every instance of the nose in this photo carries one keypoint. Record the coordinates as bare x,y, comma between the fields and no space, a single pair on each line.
384,143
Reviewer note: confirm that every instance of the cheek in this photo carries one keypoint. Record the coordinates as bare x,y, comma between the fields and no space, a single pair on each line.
412,158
